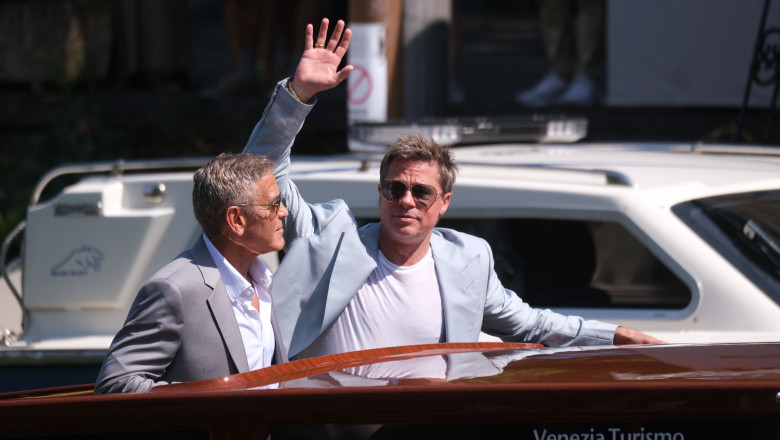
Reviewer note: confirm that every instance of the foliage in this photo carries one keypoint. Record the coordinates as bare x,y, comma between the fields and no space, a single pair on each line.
72,131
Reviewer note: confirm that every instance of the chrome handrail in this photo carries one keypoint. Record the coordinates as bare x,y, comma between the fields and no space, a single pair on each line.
7,336
115,167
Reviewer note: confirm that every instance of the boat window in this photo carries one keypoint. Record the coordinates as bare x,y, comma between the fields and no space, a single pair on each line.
576,263
745,229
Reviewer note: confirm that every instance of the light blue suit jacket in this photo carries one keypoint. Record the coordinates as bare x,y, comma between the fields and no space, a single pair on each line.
328,258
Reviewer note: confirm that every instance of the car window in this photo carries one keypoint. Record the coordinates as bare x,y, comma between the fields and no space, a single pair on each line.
576,263
745,229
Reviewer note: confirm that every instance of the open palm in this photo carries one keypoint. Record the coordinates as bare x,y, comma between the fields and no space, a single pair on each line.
318,68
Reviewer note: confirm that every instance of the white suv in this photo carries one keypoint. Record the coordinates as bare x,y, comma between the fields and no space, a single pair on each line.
680,241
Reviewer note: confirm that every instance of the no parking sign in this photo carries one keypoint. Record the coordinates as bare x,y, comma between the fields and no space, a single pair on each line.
367,84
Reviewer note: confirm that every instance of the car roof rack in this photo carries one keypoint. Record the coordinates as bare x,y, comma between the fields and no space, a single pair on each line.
367,163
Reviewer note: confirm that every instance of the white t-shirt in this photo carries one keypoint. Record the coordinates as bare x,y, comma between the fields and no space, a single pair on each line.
398,305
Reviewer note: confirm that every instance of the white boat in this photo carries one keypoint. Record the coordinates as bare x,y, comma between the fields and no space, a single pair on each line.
680,241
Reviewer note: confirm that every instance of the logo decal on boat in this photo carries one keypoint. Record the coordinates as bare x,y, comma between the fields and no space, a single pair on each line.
79,262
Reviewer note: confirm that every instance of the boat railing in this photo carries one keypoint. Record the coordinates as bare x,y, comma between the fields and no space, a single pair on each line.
114,168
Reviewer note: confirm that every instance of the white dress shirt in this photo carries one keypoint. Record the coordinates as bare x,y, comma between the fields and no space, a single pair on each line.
254,325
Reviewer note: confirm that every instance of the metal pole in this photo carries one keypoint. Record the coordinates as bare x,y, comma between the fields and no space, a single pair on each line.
752,71
426,51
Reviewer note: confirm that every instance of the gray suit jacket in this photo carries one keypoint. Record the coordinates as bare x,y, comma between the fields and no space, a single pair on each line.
181,327
328,258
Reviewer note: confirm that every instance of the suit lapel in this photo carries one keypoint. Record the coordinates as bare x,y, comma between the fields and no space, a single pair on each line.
225,320
457,282
455,270
354,262
346,272
221,308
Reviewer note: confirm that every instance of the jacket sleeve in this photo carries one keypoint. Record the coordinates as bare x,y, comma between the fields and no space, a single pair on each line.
274,136
275,133
147,343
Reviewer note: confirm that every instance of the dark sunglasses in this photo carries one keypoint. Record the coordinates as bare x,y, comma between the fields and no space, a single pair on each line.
395,190
273,208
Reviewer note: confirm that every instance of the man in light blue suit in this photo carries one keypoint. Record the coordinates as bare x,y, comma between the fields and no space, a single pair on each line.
402,280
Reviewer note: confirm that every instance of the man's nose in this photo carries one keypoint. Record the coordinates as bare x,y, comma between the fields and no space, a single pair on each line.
407,198
283,212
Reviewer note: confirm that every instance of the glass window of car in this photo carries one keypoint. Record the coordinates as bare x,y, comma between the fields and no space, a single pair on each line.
745,229
576,263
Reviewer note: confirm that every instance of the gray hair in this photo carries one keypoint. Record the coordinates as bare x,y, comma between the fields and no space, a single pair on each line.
227,180
416,148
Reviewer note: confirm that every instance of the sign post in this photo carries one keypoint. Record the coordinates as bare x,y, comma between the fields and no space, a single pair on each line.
373,51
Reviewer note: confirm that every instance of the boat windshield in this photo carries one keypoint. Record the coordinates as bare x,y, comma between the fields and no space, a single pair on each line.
745,229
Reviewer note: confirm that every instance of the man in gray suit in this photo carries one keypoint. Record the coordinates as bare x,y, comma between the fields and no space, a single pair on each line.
402,280
208,313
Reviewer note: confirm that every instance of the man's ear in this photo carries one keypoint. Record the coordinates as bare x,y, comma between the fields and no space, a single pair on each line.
235,220
445,203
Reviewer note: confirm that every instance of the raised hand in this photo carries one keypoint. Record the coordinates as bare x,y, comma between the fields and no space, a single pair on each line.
318,69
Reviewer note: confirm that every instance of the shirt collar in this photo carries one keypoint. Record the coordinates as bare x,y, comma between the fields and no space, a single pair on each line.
235,283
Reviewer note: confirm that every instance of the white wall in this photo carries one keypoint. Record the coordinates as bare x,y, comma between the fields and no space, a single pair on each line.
684,52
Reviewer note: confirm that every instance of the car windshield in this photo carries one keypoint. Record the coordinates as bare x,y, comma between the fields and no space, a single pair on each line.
744,229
